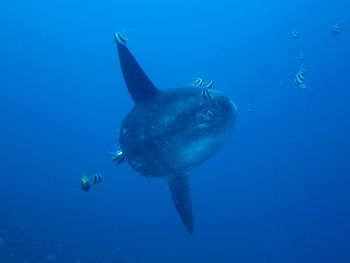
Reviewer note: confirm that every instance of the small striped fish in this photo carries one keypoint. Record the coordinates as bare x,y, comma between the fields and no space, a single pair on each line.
300,78
95,179
120,38
208,84
197,82
295,33
118,156
301,56
87,182
207,94
336,29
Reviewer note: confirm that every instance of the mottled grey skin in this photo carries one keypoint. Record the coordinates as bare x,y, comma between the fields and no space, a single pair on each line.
172,133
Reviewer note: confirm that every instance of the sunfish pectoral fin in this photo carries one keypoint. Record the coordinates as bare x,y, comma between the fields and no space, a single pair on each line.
180,192
140,87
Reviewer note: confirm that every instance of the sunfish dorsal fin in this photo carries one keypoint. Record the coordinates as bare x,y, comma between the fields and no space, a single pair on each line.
180,192
140,87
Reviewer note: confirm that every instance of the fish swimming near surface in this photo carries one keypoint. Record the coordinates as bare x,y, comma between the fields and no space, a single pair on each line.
168,132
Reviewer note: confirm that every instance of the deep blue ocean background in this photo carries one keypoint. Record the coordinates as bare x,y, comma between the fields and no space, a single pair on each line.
277,192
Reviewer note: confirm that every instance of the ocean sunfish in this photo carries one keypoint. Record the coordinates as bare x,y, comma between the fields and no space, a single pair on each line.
168,132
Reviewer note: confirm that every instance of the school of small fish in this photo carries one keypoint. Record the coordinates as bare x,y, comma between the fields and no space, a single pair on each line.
199,82
300,77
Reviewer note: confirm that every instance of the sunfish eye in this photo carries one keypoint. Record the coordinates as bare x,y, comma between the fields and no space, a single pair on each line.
209,114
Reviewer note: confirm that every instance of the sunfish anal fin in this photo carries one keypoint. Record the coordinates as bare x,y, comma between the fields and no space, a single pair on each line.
180,192
140,87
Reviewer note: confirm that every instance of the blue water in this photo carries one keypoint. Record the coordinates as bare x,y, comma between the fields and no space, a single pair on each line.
277,192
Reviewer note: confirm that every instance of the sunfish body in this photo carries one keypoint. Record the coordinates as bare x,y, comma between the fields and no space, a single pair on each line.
171,131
